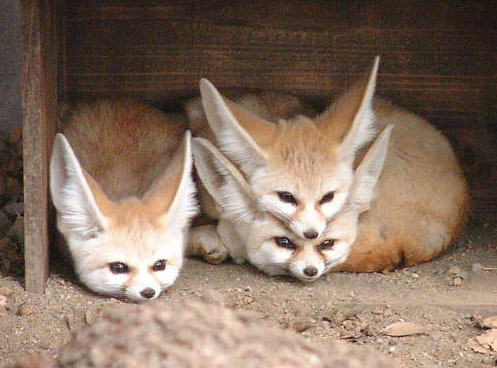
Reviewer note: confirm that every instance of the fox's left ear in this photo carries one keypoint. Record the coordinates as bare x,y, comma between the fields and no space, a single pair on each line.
223,181
239,133
350,121
172,197
368,173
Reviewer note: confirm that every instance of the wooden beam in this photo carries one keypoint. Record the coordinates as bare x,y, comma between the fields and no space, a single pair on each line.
39,109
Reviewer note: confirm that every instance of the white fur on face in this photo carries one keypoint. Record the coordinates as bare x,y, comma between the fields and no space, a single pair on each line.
138,251
265,254
308,214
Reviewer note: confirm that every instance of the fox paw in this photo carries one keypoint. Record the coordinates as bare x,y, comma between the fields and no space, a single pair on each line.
205,242
215,255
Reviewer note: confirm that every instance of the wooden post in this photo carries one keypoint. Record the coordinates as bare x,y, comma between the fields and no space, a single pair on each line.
39,94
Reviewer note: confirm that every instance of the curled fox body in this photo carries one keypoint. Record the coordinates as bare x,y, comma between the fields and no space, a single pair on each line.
301,172
120,179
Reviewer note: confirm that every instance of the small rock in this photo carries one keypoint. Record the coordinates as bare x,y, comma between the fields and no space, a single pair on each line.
24,310
349,325
378,317
457,281
302,324
489,322
400,329
213,297
477,268
388,313
453,270
415,276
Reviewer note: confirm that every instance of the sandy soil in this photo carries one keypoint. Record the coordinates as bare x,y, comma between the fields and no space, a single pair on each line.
445,296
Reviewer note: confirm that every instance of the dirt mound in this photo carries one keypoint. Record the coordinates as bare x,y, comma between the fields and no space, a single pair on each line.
200,335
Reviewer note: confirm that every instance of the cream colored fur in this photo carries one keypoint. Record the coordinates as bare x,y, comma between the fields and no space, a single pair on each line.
120,179
246,233
423,198
280,150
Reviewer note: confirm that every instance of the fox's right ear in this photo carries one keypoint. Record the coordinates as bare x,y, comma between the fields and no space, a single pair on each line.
362,191
223,181
239,133
350,121
79,201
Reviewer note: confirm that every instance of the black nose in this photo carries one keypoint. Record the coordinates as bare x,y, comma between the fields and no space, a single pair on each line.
311,234
147,293
310,271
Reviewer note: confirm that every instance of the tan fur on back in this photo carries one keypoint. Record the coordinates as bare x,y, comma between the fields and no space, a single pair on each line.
422,200
144,139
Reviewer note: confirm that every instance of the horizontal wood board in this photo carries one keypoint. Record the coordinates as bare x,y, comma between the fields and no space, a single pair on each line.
439,58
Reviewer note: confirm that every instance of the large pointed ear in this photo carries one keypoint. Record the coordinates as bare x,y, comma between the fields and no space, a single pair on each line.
223,181
81,204
350,121
239,133
368,173
172,197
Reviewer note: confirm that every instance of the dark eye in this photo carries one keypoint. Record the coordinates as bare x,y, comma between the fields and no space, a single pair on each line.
326,245
327,198
287,197
160,265
118,267
284,242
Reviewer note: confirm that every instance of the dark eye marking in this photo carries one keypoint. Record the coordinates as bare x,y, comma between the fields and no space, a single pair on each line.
326,245
328,197
160,265
287,197
284,242
118,267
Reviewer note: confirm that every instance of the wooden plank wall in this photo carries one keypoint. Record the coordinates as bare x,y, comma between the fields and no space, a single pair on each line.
439,58
39,97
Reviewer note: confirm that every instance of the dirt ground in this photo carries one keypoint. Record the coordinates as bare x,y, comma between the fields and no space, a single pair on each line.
445,296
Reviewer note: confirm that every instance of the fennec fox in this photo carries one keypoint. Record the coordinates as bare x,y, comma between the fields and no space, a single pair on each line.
120,179
261,238
301,170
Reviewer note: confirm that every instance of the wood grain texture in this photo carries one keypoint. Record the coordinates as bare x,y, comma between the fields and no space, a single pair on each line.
439,58
39,108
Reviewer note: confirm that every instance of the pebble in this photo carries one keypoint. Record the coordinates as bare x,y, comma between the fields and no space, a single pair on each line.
24,310
477,268
302,324
457,281
378,318
454,270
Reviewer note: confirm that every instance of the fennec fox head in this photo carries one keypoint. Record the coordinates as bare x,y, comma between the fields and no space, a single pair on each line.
300,170
132,248
270,245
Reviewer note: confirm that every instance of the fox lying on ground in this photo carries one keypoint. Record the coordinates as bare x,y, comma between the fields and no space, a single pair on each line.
262,239
301,171
120,179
